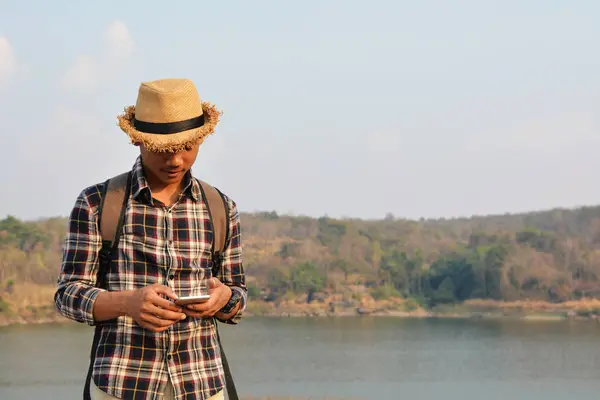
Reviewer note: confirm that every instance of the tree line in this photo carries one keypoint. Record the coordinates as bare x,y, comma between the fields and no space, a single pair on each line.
552,256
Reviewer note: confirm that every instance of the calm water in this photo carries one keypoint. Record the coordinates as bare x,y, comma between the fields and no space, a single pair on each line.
358,358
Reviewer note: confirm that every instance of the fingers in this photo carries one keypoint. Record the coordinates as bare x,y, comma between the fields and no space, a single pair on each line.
161,289
158,313
155,324
200,307
164,303
218,299
196,314
155,298
204,313
157,319
190,312
166,314
207,309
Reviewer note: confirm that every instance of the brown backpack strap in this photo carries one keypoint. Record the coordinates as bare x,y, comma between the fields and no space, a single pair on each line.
112,206
219,215
111,215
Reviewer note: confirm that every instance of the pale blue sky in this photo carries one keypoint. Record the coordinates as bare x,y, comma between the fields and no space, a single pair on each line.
346,108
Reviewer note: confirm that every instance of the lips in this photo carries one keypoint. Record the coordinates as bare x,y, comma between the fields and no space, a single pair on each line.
173,172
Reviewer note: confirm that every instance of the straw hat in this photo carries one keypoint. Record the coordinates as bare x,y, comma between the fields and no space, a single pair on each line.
168,116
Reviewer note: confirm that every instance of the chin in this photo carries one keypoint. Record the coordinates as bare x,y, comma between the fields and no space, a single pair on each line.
171,179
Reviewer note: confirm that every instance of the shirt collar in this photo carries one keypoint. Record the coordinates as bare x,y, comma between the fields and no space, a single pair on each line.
140,189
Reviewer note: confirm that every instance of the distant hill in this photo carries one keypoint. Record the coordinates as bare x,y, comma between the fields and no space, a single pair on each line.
550,256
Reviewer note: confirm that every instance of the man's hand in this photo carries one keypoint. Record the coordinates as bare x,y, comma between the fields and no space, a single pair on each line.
219,296
150,310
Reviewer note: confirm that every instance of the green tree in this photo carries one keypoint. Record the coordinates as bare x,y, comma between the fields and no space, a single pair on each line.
306,278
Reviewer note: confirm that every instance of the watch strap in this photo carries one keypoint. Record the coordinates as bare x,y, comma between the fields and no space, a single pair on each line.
233,301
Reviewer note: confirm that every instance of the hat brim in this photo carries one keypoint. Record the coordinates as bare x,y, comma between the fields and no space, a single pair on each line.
173,142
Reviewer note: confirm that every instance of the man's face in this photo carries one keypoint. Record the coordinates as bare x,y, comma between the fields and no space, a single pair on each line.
168,168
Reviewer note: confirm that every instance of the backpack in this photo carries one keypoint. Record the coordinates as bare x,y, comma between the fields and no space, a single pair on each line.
111,215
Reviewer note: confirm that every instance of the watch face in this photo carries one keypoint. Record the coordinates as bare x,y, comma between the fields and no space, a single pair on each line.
235,297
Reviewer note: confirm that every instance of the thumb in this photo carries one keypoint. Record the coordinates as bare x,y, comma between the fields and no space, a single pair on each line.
161,289
214,283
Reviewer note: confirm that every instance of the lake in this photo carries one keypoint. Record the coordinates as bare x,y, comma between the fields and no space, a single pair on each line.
351,358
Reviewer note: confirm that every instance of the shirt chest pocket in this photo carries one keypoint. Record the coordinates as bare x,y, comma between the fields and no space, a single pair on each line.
199,268
176,248
193,276
142,249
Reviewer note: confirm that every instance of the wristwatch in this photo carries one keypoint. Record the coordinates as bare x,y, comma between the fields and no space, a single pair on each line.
233,301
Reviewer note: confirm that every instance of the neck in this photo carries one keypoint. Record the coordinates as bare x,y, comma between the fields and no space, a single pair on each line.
166,193
158,187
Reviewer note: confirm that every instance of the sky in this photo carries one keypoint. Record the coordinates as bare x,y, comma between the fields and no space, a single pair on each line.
340,108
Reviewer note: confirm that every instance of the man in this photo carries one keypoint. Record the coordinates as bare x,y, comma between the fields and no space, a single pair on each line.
149,348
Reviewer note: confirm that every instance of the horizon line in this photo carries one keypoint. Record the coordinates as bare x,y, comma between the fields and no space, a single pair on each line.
388,216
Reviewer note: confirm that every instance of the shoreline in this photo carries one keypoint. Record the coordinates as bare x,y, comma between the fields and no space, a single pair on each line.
558,315
64,321
33,305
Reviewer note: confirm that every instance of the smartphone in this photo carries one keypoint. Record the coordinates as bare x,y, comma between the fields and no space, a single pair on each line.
184,301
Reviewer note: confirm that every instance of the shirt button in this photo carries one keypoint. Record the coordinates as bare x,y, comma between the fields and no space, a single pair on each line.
168,356
171,277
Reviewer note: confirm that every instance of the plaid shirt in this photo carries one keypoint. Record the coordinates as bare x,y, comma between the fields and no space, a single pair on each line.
169,246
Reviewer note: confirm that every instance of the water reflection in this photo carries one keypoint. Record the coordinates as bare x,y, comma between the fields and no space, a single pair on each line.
354,357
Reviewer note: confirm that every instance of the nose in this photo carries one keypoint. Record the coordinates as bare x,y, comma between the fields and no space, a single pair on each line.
174,160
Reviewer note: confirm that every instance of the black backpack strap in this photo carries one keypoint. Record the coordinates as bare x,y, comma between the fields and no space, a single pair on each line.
111,216
218,209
